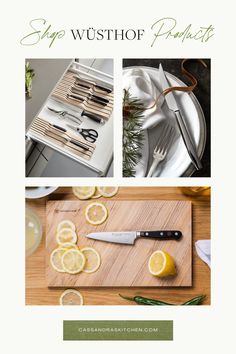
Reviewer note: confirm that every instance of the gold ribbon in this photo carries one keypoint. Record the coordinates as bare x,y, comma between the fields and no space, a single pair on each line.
189,88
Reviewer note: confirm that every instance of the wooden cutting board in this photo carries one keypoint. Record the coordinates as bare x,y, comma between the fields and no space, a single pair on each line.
124,265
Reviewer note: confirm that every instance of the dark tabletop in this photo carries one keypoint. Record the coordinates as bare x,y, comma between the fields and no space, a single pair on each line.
202,92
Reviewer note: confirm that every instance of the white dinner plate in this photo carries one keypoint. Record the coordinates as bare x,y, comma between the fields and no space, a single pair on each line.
38,192
177,162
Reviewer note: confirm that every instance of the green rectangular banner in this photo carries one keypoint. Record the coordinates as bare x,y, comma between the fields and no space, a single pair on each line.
117,330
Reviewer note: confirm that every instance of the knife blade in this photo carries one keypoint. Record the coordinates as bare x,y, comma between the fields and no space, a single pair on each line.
86,89
97,118
92,98
100,87
129,237
173,106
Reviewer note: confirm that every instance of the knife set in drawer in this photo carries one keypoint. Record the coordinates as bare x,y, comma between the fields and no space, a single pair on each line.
76,119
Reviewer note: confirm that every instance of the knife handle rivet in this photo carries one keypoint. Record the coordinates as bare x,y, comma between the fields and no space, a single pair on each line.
146,234
176,233
161,233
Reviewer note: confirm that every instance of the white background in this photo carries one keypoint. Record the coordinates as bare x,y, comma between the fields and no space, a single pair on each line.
196,329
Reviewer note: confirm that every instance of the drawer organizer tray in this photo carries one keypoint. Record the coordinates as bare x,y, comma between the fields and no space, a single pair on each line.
83,99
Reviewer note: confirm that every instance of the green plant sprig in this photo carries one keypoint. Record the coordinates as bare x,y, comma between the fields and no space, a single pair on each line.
133,109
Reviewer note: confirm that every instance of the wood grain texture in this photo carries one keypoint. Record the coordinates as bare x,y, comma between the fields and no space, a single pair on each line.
124,265
64,87
37,292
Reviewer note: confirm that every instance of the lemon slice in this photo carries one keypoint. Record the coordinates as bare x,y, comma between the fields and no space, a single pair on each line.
66,235
93,259
73,261
107,191
56,259
97,194
83,192
96,213
66,224
71,297
161,264
68,245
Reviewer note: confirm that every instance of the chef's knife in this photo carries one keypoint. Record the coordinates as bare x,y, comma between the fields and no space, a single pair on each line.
172,105
91,97
92,116
129,237
100,87
71,140
85,88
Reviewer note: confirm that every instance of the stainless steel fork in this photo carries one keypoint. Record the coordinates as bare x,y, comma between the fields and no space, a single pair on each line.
161,149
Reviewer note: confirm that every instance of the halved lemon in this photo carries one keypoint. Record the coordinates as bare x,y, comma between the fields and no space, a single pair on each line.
71,297
65,224
161,264
68,245
93,259
107,192
66,235
97,194
73,261
56,259
96,213
83,192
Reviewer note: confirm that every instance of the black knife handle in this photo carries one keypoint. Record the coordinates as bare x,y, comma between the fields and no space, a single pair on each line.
105,100
106,89
82,85
96,100
92,116
162,235
78,144
59,128
75,97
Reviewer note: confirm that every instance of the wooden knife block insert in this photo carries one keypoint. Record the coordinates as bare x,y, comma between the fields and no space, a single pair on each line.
63,88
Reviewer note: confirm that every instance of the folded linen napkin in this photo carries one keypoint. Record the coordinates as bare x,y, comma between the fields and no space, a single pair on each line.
140,85
203,248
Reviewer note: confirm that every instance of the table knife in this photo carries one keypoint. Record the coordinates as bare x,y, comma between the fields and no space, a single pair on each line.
172,105
129,237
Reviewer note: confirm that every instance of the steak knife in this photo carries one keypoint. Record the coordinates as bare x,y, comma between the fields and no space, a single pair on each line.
129,237
172,105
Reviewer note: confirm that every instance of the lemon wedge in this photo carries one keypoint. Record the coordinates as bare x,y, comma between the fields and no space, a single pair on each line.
71,297
96,213
107,192
56,259
161,264
93,259
73,261
65,224
66,235
83,192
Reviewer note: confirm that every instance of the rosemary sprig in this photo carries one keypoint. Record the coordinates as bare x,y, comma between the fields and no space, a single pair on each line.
133,109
